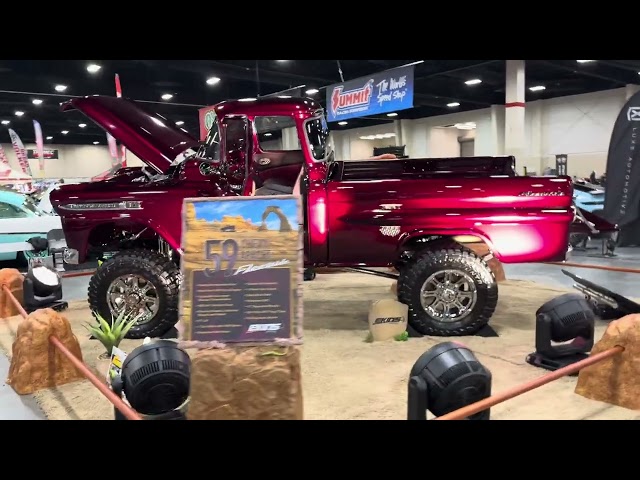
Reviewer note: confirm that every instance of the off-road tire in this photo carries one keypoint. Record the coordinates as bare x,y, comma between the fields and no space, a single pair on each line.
152,266
415,273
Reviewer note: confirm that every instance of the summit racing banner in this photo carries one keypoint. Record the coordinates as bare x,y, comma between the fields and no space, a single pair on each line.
622,202
383,92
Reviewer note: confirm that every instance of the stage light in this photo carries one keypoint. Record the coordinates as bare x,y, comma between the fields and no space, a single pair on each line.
45,280
445,378
564,332
155,379
42,286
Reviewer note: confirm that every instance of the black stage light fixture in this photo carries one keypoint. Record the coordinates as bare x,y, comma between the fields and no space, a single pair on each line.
564,332
42,288
445,378
155,380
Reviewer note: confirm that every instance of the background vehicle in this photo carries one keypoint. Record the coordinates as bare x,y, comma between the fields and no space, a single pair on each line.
588,196
20,220
407,213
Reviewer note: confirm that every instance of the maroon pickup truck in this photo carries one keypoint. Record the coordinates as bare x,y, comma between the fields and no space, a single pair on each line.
412,214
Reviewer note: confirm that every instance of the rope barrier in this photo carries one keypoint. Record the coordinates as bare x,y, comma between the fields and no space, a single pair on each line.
595,267
102,387
525,387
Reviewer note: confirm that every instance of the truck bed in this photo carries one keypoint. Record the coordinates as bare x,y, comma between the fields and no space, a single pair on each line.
522,219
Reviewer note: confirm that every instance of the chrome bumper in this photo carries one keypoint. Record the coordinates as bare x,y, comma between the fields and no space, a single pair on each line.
71,256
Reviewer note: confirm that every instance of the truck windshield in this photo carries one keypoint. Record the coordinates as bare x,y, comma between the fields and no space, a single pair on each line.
318,135
210,150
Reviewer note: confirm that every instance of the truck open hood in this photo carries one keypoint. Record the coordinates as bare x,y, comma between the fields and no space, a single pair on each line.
151,137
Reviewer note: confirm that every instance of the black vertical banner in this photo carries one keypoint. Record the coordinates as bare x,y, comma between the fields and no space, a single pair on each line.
622,201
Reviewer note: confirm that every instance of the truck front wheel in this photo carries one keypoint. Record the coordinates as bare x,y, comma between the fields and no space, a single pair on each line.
450,292
141,282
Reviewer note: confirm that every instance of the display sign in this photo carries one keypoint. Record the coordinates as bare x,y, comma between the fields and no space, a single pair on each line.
622,202
206,116
383,92
242,269
49,154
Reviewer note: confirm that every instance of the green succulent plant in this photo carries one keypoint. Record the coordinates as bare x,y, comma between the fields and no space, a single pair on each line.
110,335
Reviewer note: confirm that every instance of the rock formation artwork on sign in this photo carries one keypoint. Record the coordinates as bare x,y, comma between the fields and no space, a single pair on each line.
284,222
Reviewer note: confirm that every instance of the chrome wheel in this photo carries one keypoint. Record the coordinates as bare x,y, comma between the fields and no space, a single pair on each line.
135,295
449,295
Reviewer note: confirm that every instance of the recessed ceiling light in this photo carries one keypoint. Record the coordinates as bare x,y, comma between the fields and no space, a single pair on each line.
537,88
453,104
82,125
64,132
19,113
585,61
49,138
96,143
6,122
312,91
247,100
212,80
36,101
180,122
60,88
167,96
267,134
93,68
394,114
342,123
473,81
282,60
465,126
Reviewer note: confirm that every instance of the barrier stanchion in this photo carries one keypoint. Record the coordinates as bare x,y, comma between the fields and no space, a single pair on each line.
525,387
117,402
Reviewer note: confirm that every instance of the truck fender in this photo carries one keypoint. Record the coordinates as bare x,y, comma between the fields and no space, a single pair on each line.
409,237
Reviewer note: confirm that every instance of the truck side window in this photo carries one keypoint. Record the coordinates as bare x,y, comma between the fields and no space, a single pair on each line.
277,133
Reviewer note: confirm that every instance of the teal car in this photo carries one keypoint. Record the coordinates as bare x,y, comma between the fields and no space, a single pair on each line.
20,220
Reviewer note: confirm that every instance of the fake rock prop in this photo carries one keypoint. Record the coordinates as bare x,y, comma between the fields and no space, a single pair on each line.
13,279
387,319
615,380
246,383
35,362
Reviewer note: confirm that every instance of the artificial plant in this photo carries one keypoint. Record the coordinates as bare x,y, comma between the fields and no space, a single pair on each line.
110,335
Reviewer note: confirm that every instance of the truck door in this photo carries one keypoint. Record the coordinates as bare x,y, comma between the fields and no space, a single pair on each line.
235,154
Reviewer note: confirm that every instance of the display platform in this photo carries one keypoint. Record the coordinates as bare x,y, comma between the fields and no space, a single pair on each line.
347,378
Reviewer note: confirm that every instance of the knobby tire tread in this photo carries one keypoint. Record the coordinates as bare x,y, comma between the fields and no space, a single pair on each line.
415,273
167,280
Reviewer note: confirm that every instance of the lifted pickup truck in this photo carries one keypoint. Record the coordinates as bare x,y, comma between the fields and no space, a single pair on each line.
410,214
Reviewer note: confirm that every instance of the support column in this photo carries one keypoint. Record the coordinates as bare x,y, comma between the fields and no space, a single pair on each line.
397,128
514,131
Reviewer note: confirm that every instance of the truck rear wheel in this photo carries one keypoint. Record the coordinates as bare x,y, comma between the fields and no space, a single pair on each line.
140,282
450,292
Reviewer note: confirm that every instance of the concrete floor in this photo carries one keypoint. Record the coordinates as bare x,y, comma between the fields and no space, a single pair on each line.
15,407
